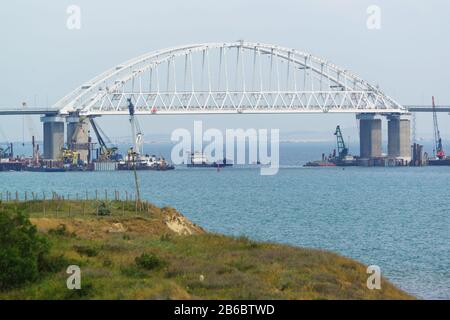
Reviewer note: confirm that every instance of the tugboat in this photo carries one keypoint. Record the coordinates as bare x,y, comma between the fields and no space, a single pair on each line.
199,160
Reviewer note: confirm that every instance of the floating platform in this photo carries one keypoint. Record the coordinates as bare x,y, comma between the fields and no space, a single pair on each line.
130,166
437,162
10,166
208,165
44,169
320,163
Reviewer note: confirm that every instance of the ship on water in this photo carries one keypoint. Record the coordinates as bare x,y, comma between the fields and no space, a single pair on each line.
144,162
341,159
136,159
199,160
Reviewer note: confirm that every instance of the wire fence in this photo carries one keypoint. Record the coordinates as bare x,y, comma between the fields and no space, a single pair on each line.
106,195
97,203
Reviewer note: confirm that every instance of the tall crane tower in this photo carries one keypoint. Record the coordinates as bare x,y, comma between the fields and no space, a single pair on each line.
342,148
107,152
438,151
136,132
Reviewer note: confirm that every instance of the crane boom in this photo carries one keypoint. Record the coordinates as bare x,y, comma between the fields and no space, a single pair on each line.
342,148
137,145
107,153
136,131
438,151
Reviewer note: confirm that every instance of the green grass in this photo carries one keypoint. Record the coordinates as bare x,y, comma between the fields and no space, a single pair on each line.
148,260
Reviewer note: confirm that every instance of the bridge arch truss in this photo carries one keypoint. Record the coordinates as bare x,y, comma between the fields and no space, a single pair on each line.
236,77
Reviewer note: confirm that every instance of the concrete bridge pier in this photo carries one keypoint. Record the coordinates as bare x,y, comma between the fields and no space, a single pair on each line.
369,135
78,136
53,137
399,137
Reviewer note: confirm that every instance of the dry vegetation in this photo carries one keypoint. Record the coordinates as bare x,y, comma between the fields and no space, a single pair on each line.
159,254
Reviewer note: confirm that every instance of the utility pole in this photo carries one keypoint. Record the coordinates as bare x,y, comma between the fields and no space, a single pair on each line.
136,178
134,151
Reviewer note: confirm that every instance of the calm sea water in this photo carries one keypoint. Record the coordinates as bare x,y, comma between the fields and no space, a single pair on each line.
396,218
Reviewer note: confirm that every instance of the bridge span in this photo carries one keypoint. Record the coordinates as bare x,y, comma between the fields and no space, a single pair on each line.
230,78
17,111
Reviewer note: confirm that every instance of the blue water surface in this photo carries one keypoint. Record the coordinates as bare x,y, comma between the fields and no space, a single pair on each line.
396,218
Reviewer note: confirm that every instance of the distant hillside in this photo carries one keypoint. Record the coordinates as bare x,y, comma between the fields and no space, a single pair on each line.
159,254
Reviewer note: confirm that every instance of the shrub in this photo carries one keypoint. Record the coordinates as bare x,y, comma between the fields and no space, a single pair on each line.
126,237
86,251
107,262
133,272
87,290
148,261
248,244
23,252
103,209
52,264
165,237
61,231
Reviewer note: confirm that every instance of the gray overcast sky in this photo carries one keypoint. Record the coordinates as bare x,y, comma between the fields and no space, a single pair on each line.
408,57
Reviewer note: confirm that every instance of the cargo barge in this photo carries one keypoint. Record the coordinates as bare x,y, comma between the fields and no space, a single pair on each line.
144,163
439,162
199,160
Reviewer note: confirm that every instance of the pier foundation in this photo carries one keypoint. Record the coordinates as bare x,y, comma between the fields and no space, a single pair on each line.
78,136
399,137
53,137
369,135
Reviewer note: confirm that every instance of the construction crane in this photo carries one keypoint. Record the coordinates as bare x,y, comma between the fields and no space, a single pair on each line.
342,148
107,152
7,153
438,151
136,132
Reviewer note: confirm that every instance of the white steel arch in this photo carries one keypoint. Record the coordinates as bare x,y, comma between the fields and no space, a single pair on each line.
236,77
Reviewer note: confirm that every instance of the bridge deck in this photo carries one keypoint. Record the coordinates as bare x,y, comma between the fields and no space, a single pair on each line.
27,111
52,111
427,109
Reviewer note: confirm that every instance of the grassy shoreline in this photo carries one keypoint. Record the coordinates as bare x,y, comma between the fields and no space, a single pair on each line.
156,253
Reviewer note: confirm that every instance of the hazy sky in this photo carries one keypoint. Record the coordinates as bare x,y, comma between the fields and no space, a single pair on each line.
41,60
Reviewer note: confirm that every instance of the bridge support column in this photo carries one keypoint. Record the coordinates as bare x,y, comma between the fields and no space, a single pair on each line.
53,137
399,136
369,135
78,136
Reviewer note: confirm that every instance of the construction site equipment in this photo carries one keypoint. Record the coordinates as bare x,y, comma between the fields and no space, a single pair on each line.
107,150
78,136
342,149
137,136
7,153
136,132
71,157
438,151
36,155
